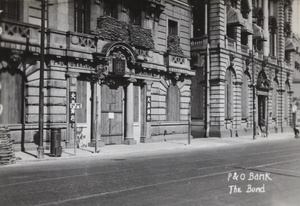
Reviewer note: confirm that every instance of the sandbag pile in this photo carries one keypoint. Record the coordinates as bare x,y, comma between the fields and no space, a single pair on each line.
109,28
7,153
174,44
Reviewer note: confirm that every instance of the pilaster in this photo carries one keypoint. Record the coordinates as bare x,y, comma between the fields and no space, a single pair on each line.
129,112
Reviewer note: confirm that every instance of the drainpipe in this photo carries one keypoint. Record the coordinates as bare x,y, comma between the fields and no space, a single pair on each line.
207,90
207,121
40,148
254,95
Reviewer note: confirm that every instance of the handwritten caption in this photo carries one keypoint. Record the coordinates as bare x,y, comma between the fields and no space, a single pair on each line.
248,187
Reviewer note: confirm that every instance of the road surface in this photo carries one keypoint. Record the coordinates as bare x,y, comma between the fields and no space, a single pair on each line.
265,173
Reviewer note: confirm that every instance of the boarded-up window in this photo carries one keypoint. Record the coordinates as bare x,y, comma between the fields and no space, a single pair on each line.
274,100
198,97
245,98
229,95
173,103
11,96
136,111
81,98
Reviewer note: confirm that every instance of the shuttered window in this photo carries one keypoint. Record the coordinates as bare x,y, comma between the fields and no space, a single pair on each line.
173,103
245,97
229,95
81,114
11,96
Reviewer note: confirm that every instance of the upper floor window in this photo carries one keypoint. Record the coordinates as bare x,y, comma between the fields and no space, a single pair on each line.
135,16
272,39
245,8
111,9
199,21
230,31
82,18
10,9
173,28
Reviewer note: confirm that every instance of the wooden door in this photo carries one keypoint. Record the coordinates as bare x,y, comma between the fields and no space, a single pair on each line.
112,115
261,110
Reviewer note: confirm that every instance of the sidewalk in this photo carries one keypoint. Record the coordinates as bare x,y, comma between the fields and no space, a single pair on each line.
198,143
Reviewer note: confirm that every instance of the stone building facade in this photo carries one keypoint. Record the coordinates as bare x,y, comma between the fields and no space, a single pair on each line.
242,54
126,62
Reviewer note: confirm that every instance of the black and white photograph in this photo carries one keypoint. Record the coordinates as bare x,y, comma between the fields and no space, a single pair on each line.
150,102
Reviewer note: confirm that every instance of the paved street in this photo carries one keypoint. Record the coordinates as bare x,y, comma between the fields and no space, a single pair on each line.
264,173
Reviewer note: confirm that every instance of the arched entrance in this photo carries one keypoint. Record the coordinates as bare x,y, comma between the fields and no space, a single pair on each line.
120,96
263,87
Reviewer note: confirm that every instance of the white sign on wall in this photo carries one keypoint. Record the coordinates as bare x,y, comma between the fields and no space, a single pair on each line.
111,115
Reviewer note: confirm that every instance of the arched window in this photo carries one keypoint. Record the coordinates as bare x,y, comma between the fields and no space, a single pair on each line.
274,99
245,97
273,38
229,94
173,103
11,96
245,8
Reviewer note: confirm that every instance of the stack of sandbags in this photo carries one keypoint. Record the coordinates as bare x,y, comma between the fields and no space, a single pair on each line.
174,44
109,28
7,153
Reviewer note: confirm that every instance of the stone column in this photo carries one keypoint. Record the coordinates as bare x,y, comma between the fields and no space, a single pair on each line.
129,112
148,124
266,44
96,118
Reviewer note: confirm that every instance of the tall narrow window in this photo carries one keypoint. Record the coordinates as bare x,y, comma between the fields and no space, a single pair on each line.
10,9
173,103
199,20
173,28
82,18
272,28
244,38
230,31
245,97
229,95
111,9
